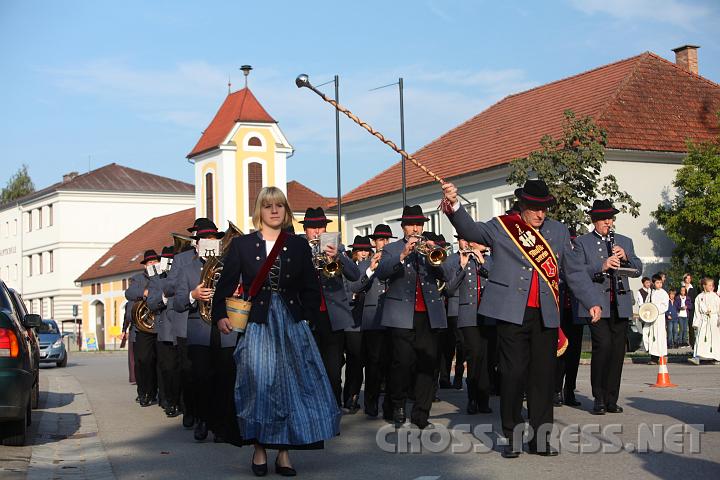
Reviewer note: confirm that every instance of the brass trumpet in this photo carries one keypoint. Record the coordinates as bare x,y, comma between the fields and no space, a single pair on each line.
435,254
329,268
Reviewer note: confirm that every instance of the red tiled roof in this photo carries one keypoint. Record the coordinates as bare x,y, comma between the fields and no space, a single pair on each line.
115,178
128,252
240,106
644,102
301,197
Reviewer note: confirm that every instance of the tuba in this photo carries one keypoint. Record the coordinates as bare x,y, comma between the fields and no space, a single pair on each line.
212,269
142,317
435,255
329,268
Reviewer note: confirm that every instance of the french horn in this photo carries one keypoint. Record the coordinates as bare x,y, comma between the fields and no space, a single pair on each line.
143,317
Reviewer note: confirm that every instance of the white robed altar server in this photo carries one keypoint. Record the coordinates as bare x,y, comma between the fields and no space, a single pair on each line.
707,323
654,333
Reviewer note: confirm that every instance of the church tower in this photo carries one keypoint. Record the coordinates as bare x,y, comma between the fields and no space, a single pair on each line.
240,152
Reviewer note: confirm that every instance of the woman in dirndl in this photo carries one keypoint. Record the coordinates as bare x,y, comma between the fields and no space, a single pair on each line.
283,396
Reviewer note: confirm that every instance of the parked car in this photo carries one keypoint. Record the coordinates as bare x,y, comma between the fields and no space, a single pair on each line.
18,369
34,341
52,348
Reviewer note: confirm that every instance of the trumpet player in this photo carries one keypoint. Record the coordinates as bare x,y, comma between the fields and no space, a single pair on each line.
604,252
413,312
465,287
145,342
335,314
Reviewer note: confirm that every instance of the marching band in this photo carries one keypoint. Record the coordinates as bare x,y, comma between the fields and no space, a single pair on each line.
392,311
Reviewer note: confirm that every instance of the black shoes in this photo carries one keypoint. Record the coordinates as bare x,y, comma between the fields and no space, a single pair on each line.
352,404
547,452
557,400
259,470
399,417
188,420
284,471
570,399
614,409
172,411
509,452
598,408
201,431
472,407
371,408
146,400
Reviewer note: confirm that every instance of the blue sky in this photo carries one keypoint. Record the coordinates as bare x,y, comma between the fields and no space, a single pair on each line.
86,83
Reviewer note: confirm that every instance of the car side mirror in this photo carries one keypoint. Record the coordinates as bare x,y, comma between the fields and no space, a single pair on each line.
32,320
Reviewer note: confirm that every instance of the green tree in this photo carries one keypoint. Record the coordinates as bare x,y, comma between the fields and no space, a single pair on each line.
571,166
18,186
692,218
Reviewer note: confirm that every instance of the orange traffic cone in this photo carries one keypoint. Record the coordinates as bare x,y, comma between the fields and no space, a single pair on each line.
663,378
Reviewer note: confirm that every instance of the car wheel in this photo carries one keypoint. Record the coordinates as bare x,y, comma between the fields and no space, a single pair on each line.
36,394
63,362
16,432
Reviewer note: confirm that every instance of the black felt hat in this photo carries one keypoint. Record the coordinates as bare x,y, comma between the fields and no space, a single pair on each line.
204,228
602,209
381,231
361,243
149,256
315,218
535,192
413,214
168,252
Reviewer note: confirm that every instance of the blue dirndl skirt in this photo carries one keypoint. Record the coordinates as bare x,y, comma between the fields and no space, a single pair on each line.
283,397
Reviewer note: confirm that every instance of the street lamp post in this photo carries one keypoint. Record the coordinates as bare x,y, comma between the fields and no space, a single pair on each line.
399,83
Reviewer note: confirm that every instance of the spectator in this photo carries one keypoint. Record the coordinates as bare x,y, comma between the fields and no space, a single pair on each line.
684,306
707,324
671,317
643,292
692,293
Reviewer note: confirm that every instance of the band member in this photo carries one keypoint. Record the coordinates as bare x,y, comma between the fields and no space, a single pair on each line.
413,312
361,251
603,252
167,353
450,339
568,363
529,251
706,324
128,325
145,342
466,283
189,291
335,315
375,342
283,396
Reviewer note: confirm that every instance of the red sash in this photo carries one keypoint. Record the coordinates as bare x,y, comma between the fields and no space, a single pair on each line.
536,249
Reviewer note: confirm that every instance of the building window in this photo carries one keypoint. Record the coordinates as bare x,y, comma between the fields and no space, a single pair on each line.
254,184
51,261
40,263
503,204
254,142
363,230
41,301
99,288
471,208
29,221
124,284
52,307
50,215
209,196
40,218
433,225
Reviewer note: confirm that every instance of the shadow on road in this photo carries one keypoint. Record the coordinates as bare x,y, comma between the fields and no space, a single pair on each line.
684,412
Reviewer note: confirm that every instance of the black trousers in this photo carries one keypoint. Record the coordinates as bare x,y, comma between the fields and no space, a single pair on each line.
353,365
569,362
167,355
489,332
451,346
185,373
609,336
198,389
377,351
331,346
146,363
478,379
414,355
527,355
223,421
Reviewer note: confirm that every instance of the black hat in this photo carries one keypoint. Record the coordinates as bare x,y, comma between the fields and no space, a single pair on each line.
602,209
413,214
431,236
535,192
197,222
381,231
149,256
440,240
514,209
361,243
204,227
168,252
315,218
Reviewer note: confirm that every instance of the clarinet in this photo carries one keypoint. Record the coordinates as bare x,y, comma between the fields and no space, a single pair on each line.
620,288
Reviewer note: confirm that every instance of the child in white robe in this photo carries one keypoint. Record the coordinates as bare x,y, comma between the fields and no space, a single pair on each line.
655,333
706,324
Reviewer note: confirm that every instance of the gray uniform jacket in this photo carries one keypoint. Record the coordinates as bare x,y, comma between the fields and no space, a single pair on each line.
336,297
163,322
198,331
399,302
506,290
374,291
464,302
178,318
136,292
593,250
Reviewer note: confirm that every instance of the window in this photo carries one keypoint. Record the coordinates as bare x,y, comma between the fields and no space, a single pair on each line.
51,260
50,215
98,288
52,307
209,196
40,264
40,220
29,221
254,142
42,307
124,283
433,225
254,184
363,230
471,208
503,204
92,289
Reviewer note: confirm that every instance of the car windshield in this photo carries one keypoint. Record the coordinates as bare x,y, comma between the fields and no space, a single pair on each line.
48,326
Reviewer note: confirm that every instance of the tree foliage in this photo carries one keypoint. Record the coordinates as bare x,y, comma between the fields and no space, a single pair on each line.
571,166
19,185
692,218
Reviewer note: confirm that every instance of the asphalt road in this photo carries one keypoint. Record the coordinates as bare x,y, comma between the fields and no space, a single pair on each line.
90,426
